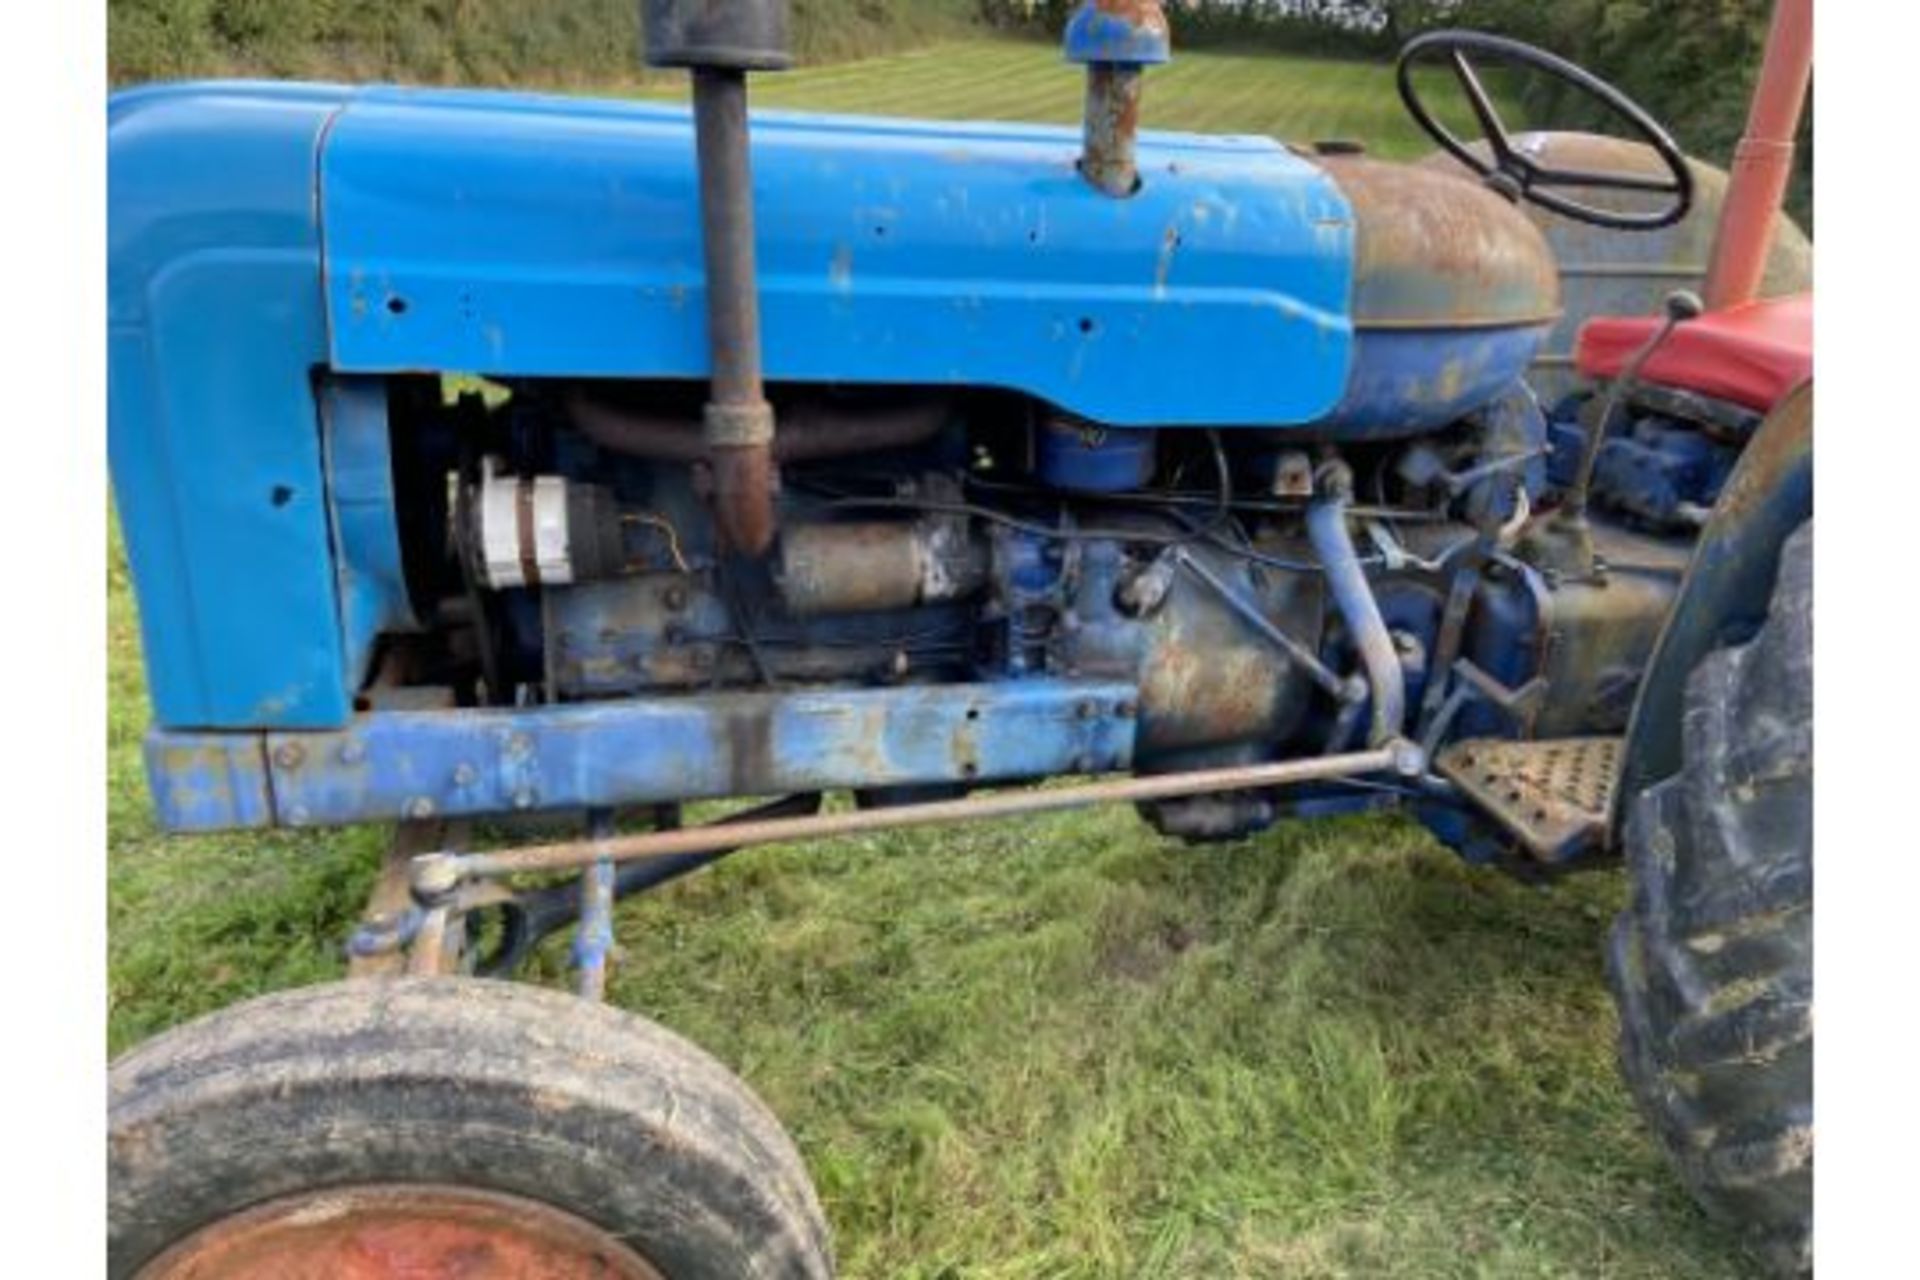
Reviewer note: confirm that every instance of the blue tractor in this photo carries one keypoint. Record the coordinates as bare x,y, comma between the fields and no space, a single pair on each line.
485,457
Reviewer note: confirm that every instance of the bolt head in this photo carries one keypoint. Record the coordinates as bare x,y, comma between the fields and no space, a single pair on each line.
1409,761
435,875
288,755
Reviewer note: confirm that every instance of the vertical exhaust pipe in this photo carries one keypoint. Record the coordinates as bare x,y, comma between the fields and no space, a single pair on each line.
1763,161
1116,40
719,42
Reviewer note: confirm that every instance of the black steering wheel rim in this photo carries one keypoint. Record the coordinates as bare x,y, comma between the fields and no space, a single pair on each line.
1518,174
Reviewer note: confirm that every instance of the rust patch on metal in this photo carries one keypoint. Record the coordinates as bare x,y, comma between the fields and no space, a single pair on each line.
1142,15
1770,454
401,1232
1554,797
810,430
850,568
1609,272
392,892
743,496
1112,126
1435,251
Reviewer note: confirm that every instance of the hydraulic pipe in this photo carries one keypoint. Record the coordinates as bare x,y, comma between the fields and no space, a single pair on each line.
1763,161
1353,596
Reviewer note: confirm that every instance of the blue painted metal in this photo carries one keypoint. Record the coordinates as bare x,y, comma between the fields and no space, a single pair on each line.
1408,381
1652,467
418,764
1728,586
1075,455
1127,32
372,581
215,324
1353,597
220,776
619,636
1656,471
518,235
593,941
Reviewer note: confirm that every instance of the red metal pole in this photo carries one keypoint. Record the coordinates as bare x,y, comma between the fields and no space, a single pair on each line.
1764,159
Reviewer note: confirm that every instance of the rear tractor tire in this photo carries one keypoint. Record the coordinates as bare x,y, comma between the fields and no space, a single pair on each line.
1712,962
441,1127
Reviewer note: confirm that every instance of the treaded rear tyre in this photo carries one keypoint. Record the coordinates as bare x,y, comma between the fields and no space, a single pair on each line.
1712,962
475,1085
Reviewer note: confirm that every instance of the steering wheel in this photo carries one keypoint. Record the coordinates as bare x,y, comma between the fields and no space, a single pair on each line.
1519,176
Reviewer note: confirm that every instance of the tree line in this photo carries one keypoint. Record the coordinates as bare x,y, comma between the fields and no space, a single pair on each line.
1691,63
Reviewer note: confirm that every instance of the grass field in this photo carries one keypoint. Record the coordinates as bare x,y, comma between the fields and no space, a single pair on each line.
1298,99
1064,1047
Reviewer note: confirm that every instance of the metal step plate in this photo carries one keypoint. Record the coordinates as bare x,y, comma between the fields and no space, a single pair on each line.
1554,797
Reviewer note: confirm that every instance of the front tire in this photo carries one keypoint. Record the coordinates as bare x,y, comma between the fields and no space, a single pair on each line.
1712,963
514,1122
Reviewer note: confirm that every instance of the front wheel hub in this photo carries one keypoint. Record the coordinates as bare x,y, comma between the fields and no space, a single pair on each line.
400,1232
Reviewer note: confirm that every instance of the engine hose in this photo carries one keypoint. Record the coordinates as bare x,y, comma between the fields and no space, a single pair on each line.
809,432
1353,596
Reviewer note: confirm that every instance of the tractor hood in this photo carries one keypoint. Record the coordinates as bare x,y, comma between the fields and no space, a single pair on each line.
516,235
513,235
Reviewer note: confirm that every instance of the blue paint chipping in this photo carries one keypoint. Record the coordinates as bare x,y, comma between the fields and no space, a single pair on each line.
412,764
1095,35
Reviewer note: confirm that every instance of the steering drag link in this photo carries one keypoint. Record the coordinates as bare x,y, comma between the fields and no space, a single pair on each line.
437,876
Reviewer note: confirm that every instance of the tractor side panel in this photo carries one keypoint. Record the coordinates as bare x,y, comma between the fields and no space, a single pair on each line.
216,326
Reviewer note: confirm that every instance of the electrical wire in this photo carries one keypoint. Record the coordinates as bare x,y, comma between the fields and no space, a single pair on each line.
652,521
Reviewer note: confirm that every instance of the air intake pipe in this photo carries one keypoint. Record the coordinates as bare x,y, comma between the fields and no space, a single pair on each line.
1116,40
719,43
1353,597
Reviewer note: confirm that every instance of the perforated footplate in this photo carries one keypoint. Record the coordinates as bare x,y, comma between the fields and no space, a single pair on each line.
1554,797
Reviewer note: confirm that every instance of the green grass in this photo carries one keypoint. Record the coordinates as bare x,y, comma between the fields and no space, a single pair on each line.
1294,98
1064,1047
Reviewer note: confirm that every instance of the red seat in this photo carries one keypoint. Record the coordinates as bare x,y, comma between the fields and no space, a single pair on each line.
1751,354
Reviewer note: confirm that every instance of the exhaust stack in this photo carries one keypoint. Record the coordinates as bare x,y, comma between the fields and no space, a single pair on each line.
719,42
